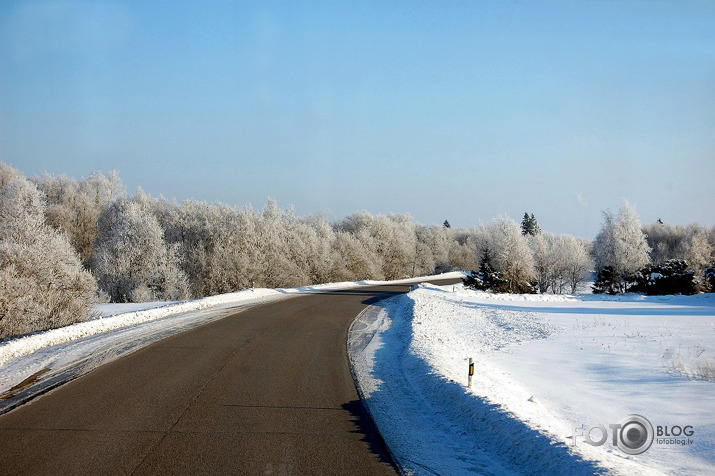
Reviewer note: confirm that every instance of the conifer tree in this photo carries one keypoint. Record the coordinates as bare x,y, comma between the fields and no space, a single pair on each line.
534,228
525,224
487,278
529,225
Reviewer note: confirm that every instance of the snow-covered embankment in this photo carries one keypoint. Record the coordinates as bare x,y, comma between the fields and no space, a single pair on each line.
545,365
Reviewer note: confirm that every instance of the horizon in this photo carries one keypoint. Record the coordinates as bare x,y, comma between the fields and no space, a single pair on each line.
456,111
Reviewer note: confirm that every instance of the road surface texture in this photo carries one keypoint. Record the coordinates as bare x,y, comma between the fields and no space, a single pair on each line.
264,391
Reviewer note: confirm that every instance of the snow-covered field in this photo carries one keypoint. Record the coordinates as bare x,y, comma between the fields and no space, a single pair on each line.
548,370
45,359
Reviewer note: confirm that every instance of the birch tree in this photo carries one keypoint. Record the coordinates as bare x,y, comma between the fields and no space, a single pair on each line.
621,245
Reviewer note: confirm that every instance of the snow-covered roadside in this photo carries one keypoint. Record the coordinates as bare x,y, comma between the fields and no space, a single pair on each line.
115,316
544,366
51,357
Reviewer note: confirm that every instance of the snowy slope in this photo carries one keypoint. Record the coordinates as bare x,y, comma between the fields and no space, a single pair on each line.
544,366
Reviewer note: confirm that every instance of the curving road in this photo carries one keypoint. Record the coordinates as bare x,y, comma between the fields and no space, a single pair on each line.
264,391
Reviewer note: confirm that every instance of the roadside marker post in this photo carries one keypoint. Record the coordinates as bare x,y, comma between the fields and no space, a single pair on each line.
471,372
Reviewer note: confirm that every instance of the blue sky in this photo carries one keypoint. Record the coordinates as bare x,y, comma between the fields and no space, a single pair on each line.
459,110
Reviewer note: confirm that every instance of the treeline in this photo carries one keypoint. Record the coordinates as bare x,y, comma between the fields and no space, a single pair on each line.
524,259
627,257
66,243
655,259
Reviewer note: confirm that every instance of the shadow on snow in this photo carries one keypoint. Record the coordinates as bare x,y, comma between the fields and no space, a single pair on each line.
448,430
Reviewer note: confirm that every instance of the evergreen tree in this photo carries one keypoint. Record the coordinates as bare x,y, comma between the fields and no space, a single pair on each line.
671,277
607,281
710,277
485,277
535,229
473,281
529,225
525,224
491,279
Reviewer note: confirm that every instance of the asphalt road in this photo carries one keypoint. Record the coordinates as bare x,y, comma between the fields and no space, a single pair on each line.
264,391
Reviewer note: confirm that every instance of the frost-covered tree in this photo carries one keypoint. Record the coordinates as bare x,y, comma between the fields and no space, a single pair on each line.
218,244
698,248
561,263
132,261
310,245
73,207
432,249
391,239
277,249
42,282
397,244
665,241
546,266
694,244
575,260
463,248
354,260
511,255
621,245
423,263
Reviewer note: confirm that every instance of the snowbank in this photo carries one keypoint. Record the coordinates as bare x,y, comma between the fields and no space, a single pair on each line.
545,365
36,363
117,317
